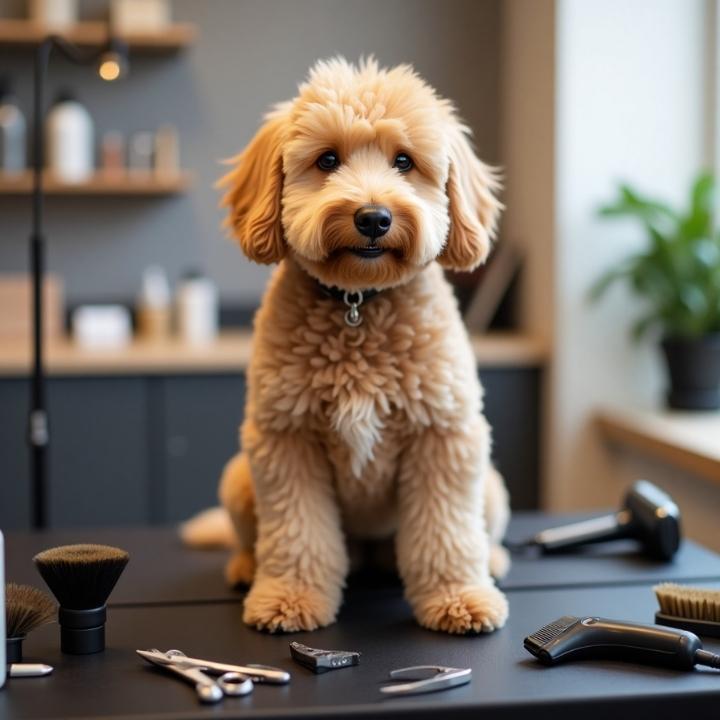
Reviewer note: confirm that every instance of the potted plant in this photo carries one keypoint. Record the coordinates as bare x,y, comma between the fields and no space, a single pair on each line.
677,275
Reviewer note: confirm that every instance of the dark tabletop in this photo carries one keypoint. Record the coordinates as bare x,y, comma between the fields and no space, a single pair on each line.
507,682
163,571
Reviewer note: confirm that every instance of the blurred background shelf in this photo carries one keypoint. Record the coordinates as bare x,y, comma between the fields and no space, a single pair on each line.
100,184
687,440
25,33
229,353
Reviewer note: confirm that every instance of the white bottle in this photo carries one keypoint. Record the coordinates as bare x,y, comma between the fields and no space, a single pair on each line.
12,134
69,139
197,309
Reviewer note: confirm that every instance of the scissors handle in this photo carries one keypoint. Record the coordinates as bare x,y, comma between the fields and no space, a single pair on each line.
208,691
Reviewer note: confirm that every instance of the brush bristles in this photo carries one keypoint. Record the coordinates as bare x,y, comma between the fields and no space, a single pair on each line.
81,576
26,608
688,602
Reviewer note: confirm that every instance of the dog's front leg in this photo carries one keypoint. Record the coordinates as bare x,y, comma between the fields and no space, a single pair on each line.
300,550
442,545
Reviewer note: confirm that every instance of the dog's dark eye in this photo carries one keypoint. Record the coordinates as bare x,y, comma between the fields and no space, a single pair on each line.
328,161
403,162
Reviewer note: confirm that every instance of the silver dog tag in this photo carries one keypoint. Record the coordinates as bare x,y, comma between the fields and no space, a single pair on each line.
353,301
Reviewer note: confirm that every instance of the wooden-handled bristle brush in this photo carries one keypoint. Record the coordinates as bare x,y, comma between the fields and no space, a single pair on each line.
26,608
82,577
689,608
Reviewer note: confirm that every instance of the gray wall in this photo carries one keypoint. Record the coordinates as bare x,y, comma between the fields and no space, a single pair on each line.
249,54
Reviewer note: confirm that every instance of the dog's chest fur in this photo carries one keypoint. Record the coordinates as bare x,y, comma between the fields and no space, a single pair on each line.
363,392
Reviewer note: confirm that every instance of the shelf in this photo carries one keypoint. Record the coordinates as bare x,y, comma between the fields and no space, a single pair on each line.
229,353
688,440
100,184
26,33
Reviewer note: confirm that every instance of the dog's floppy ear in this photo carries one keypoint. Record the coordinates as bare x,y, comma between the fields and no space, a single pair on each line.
254,192
473,207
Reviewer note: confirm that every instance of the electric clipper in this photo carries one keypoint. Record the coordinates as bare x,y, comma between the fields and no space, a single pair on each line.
581,638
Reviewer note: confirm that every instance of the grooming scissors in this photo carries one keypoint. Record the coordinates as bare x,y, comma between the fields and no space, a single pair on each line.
257,673
208,689
426,678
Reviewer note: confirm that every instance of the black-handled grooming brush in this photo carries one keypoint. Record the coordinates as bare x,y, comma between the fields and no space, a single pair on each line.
649,515
689,608
26,608
580,638
81,577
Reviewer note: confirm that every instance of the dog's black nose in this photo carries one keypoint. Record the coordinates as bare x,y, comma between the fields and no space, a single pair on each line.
373,221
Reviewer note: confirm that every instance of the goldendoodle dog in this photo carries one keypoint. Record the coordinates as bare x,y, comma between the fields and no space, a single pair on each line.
364,409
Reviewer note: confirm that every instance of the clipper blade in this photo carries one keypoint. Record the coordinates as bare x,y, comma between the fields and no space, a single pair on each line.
537,642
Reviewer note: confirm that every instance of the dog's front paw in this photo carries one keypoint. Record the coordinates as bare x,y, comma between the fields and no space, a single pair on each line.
277,605
462,610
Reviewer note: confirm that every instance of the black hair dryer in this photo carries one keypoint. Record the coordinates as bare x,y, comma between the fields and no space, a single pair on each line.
649,516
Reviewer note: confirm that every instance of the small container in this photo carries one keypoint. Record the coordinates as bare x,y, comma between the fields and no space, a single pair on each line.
70,144
101,327
112,152
13,133
167,152
197,309
140,153
139,16
54,14
153,312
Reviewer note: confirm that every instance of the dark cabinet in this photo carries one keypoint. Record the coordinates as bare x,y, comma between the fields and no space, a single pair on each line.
512,407
202,417
14,460
98,451
124,450
132,450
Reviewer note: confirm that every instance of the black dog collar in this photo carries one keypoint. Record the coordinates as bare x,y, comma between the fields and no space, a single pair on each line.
352,298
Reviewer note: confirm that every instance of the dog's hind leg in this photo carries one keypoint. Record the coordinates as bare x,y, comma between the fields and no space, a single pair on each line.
238,497
497,516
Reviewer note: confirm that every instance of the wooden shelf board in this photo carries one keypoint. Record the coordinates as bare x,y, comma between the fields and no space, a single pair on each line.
229,353
688,440
100,184
27,33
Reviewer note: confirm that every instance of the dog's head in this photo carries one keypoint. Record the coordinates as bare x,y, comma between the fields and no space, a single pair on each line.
365,177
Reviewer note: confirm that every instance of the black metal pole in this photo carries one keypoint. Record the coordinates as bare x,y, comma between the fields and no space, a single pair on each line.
38,431
38,426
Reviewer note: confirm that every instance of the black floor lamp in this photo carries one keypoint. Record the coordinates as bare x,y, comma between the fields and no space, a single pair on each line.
111,59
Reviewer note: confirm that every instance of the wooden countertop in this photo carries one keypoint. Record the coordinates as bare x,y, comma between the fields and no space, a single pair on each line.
689,440
229,353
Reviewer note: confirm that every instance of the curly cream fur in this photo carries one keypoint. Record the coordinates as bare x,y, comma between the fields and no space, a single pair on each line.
375,430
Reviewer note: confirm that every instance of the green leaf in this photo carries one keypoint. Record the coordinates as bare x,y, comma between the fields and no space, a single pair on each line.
678,271
609,277
642,326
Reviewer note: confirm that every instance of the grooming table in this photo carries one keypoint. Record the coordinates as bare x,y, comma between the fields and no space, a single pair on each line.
507,682
162,571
